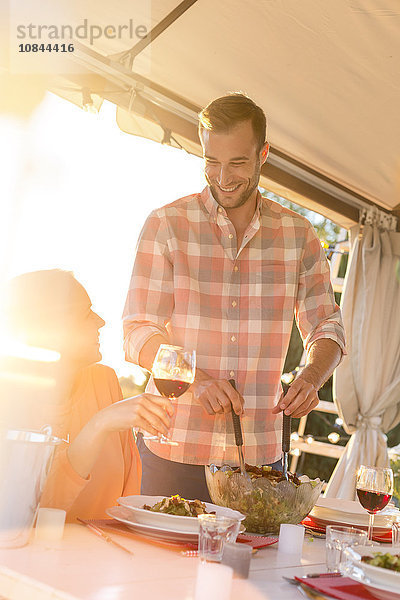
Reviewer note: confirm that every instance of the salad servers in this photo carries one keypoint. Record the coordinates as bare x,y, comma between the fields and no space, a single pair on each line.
237,426
286,433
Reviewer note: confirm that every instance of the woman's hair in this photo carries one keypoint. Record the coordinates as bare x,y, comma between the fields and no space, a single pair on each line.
224,113
38,304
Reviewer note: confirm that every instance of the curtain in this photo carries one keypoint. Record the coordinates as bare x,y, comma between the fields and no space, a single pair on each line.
367,382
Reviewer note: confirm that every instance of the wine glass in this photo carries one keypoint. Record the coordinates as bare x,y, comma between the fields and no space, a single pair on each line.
374,490
174,369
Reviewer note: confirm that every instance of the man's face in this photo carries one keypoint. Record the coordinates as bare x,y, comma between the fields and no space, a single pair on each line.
232,164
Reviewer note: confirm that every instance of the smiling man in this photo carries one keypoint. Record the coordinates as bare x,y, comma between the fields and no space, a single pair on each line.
223,272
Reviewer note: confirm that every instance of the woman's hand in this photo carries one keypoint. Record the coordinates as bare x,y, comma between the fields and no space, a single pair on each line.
146,411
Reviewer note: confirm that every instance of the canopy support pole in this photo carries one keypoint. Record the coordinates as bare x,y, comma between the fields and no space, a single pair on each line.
129,56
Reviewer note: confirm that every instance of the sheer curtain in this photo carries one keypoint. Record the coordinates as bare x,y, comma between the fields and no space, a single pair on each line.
367,382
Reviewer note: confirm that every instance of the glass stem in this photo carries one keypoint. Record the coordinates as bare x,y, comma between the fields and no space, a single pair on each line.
370,526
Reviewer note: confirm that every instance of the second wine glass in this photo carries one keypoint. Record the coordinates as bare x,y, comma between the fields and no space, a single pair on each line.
374,490
174,370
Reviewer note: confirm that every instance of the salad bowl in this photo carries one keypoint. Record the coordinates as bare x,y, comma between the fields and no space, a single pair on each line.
265,497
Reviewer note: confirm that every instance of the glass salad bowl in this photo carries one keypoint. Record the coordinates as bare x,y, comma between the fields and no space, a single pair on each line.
263,495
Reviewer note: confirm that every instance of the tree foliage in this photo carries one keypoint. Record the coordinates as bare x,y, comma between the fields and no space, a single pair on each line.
327,230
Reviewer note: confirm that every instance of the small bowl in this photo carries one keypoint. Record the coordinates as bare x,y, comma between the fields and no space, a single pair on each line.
266,505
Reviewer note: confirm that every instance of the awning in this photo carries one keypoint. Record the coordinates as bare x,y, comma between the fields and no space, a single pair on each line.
326,74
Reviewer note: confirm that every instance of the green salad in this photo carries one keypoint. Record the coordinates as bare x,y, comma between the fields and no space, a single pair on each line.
385,561
265,497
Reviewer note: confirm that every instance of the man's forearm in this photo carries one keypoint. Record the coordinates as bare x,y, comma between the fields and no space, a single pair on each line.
149,351
322,359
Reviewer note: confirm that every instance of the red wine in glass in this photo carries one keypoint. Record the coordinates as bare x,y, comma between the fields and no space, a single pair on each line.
374,490
373,501
171,388
173,371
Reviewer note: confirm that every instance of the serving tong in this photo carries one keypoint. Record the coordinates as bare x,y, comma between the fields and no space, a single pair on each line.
286,433
237,427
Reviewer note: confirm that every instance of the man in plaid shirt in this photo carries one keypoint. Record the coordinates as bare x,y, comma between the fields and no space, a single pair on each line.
223,272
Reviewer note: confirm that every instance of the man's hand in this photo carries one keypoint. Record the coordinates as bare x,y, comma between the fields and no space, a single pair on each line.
217,396
323,357
300,399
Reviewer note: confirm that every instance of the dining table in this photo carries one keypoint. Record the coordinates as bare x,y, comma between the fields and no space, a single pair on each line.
85,567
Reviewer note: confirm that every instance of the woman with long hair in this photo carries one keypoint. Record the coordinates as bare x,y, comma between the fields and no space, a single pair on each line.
52,310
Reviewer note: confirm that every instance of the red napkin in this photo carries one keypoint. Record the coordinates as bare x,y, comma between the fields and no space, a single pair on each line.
381,537
310,524
342,588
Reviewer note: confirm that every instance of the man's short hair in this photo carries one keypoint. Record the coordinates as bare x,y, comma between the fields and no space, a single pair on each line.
222,114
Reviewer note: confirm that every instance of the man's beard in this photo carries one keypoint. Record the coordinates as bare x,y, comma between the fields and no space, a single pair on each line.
245,195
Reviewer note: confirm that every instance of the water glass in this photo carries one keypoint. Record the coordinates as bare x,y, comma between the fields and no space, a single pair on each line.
214,532
337,540
396,533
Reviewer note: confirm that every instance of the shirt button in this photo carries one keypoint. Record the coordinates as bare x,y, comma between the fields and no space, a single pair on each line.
236,268
219,209
232,373
234,303
230,236
233,339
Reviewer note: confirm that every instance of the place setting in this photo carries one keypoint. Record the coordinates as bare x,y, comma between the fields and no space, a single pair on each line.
372,511
168,526
358,566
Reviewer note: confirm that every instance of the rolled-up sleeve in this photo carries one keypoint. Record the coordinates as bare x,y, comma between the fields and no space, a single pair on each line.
317,314
150,298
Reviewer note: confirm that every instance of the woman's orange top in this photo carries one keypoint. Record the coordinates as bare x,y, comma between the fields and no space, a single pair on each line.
117,471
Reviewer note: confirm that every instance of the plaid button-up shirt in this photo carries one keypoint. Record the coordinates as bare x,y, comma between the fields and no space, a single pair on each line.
235,308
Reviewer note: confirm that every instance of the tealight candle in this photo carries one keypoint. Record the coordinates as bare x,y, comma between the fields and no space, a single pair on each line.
50,524
238,557
214,582
291,539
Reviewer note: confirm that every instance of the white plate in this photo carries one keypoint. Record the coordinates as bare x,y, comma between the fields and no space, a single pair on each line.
376,574
124,515
383,592
350,521
171,522
350,506
351,511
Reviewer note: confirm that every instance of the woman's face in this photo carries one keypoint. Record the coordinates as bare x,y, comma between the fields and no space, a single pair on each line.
82,340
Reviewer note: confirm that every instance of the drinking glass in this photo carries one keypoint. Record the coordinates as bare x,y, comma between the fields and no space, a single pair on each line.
174,370
214,531
374,490
339,538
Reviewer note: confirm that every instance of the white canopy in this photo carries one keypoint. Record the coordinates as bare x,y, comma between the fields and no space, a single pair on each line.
367,382
326,73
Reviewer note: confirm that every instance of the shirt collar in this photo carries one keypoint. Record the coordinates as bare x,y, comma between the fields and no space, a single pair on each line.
212,205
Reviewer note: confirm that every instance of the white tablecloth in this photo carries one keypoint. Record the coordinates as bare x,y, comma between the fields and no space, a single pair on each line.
84,566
